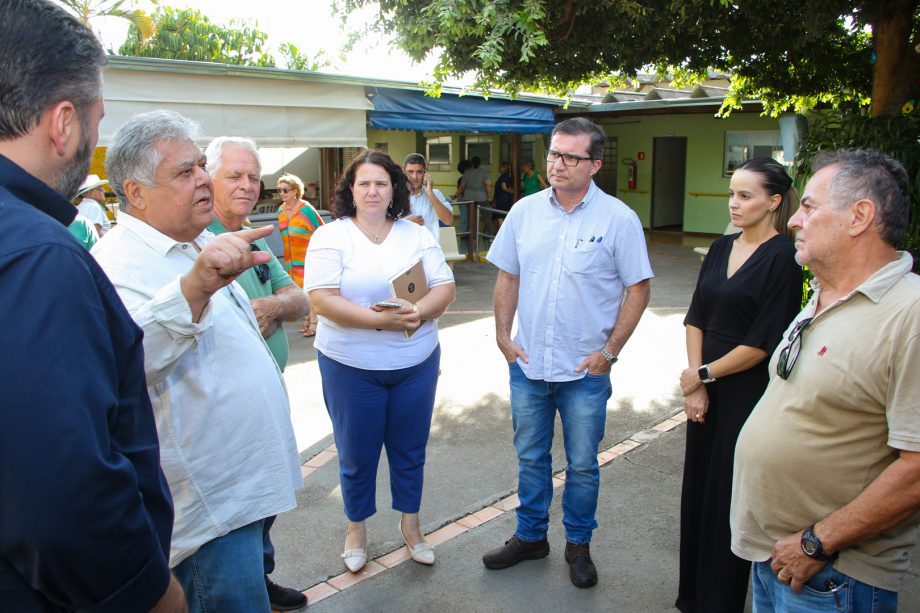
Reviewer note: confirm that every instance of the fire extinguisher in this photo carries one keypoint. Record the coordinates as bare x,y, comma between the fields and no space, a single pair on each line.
633,169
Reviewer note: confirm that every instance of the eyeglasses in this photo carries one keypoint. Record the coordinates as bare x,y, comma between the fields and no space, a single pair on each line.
790,352
285,190
262,270
567,158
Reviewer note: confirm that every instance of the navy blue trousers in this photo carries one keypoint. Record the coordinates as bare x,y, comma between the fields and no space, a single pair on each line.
373,409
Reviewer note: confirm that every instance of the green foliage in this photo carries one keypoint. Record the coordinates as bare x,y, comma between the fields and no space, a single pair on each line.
851,128
187,34
785,52
90,9
295,59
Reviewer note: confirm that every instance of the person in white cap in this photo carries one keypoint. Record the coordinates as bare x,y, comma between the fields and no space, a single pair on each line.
92,203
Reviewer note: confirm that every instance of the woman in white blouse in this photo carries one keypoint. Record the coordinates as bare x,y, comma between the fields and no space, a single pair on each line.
378,385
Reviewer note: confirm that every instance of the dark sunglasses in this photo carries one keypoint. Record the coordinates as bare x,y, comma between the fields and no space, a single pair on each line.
262,270
790,352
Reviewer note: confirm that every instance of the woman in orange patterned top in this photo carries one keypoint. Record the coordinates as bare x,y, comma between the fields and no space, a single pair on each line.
297,220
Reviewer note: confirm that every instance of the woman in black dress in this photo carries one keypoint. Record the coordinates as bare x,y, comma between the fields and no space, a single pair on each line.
748,291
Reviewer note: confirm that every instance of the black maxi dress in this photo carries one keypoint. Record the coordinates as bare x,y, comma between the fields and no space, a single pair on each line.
752,307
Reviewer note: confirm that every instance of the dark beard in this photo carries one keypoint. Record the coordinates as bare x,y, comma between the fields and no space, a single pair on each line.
73,175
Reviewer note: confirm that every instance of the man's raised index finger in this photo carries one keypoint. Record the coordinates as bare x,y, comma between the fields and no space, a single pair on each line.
255,233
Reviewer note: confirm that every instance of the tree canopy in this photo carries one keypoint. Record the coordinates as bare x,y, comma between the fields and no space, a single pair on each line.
784,52
187,34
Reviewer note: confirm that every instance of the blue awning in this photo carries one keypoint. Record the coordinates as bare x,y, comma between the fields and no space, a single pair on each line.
399,109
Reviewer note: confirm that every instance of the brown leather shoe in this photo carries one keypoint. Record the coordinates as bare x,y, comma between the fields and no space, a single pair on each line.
582,571
513,551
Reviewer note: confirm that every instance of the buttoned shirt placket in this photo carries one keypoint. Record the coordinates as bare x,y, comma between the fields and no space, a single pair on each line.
566,222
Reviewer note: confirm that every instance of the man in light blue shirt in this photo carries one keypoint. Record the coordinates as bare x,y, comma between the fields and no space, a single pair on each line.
573,265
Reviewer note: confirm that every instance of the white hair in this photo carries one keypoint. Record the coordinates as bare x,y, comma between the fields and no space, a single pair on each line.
215,151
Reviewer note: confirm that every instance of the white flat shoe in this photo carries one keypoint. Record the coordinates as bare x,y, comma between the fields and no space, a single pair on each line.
421,553
355,559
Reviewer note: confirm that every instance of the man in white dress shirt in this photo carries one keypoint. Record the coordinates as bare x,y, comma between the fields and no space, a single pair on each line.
221,408
428,204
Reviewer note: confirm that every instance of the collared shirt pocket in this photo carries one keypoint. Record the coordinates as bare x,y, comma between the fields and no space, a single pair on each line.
583,257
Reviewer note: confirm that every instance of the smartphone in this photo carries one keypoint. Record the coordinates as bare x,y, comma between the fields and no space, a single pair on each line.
388,304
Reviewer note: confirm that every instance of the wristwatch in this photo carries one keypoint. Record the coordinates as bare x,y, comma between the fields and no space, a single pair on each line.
705,374
812,546
611,359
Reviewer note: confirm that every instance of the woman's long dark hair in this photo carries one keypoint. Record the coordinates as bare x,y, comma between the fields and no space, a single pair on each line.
775,180
343,203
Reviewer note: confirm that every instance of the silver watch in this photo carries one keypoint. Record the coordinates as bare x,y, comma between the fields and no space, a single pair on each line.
705,374
611,359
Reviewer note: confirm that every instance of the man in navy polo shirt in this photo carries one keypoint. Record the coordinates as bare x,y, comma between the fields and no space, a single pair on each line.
85,512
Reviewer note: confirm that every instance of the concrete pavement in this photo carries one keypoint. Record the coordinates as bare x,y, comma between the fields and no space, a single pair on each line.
471,476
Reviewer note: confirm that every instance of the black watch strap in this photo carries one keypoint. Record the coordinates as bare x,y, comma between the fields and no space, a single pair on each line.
812,546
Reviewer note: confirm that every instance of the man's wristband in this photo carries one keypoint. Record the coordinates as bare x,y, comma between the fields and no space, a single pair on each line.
812,546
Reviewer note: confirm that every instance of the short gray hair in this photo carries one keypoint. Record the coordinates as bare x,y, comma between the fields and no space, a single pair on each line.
871,175
215,151
133,153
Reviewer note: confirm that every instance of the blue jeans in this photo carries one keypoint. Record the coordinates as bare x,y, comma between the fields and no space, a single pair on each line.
371,409
829,590
582,407
268,549
226,574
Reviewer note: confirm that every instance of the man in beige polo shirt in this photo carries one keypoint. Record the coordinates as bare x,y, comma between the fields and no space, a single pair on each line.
827,468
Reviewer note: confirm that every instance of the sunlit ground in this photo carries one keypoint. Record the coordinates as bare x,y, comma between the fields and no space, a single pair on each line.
472,368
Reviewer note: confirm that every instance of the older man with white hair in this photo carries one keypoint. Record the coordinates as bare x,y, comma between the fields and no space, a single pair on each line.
235,167
228,448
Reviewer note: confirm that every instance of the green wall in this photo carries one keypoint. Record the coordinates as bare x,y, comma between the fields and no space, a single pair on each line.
705,149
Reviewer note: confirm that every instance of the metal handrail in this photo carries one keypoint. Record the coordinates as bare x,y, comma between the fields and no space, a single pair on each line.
486,235
469,234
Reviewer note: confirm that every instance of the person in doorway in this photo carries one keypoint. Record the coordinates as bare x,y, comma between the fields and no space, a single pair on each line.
504,194
477,186
531,180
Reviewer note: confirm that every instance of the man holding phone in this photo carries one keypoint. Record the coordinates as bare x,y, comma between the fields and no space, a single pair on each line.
428,205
